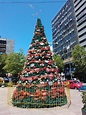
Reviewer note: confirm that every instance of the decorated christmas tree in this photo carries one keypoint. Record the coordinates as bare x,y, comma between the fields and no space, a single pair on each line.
39,85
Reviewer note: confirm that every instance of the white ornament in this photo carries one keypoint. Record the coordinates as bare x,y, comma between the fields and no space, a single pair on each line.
41,43
32,48
46,61
50,83
58,82
30,45
36,56
41,82
42,64
26,82
38,30
47,79
29,58
48,54
56,79
32,65
29,81
36,41
44,38
39,51
19,81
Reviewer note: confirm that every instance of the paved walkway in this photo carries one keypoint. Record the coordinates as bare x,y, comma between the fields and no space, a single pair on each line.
74,109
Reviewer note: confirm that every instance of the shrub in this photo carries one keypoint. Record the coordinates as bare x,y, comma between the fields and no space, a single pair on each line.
84,100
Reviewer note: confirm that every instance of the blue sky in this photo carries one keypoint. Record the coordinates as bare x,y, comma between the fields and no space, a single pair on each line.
17,20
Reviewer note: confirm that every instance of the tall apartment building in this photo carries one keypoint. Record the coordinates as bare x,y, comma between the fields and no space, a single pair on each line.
80,14
6,46
68,29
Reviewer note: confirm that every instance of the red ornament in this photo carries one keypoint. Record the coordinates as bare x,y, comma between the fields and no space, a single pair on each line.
33,38
37,70
47,69
56,69
22,78
49,53
54,88
55,84
27,69
34,67
44,68
47,56
52,70
51,62
35,77
47,48
34,44
29,79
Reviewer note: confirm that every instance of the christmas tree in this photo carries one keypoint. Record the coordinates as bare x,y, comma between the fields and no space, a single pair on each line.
39,85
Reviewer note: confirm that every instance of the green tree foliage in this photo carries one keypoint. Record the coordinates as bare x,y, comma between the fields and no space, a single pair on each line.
3,58
79,57
14,63
59,62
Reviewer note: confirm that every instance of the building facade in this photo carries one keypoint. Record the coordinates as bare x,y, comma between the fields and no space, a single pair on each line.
6,46
68,29
80,14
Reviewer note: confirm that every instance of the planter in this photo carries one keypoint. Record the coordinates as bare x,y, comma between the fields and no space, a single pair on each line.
83,112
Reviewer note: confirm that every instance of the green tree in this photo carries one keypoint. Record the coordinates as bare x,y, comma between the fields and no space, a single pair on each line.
14,63
79,58
59,62
3,58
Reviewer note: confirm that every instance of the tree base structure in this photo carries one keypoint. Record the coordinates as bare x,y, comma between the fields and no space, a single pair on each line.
39,96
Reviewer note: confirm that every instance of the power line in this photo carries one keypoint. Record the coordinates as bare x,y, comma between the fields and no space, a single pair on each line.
32,2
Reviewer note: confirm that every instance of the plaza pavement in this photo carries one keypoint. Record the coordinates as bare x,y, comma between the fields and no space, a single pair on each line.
73,109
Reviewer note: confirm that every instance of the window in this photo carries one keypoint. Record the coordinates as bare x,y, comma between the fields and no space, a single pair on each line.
84,15
81,12
82,40
82,29
79,7
77,3
81,23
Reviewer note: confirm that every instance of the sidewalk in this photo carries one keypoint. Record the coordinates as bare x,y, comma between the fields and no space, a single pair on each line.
74,109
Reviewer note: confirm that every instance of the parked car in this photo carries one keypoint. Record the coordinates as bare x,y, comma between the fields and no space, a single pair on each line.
6,80
3,81
83,88
74,84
